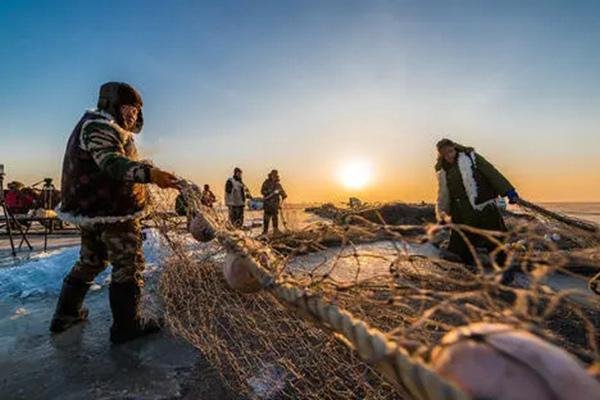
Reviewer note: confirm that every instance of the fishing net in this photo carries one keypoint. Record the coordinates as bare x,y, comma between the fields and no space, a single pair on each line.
389,279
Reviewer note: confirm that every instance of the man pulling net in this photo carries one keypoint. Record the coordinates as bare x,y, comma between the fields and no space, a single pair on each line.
103,189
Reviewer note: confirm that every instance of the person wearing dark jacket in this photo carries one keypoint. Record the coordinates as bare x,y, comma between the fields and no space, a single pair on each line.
273,195
208,197
103,192
468,188
181,205
236,193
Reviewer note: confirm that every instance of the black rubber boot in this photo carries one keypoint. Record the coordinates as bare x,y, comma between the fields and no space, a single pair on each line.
124,302
69,310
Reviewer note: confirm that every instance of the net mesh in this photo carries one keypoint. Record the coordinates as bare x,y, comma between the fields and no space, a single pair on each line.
391,277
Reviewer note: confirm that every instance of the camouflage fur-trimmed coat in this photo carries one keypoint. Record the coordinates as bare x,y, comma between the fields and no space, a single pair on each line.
102,179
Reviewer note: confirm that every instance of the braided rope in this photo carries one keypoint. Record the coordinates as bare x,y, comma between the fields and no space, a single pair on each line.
407,374
373,346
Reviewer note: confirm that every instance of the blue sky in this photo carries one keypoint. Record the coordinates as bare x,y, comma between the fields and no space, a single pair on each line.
309,86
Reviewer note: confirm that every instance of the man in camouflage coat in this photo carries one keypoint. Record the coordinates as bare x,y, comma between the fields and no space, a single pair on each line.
104,194
273,194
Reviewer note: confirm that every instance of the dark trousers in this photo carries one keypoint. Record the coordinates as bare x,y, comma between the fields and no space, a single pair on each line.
236,216
270,216
459,247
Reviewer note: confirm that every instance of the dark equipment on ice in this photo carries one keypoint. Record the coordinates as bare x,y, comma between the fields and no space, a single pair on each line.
5,210
9,218
50,196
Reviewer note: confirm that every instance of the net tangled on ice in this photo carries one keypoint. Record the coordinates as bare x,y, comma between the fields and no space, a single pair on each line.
363,309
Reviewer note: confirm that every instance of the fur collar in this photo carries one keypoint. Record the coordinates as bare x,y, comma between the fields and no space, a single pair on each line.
82,220
466,163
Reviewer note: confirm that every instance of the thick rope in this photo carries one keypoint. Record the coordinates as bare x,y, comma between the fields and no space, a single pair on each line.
373,346
577,223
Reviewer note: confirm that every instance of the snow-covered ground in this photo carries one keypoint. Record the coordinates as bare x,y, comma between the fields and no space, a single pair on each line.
42,273
81,363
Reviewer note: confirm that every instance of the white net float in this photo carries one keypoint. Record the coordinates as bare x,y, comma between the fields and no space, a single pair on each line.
497,361
236,271
201,229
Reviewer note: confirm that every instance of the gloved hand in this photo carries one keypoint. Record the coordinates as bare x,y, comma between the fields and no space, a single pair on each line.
444,219
513,196
163,179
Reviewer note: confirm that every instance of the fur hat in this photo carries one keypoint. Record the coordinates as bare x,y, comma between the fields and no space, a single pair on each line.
113,95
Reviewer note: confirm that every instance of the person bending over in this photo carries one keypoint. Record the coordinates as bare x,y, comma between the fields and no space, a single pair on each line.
468,188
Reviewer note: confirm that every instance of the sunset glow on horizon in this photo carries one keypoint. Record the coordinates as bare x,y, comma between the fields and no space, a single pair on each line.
355,174
344,98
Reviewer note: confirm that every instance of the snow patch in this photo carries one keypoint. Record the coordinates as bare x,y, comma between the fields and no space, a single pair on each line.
43,273
268,382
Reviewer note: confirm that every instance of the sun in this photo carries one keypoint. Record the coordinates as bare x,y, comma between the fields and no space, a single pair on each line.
355,174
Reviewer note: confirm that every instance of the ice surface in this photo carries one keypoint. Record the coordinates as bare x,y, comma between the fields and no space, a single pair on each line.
374,259
43,273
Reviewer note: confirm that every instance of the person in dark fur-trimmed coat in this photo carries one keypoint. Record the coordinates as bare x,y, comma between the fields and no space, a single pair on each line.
104,193
468,190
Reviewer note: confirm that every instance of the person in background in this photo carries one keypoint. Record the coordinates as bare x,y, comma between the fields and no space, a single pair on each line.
208,197
18,199
273,195
468,187
181,205
236,193
104,193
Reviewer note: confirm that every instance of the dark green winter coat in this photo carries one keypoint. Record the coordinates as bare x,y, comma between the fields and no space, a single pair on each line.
468,191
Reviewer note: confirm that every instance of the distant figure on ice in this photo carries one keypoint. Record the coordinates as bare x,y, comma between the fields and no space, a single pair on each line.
273,195
104,193
236,193
468,187
181,205
208,197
